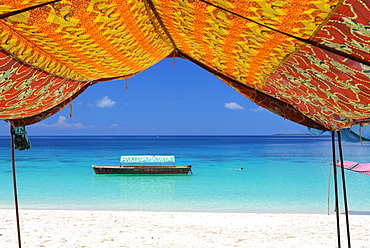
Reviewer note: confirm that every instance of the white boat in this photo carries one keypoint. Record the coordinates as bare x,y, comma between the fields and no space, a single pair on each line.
150,164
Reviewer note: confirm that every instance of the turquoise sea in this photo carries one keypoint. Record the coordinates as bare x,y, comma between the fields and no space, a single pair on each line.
281,174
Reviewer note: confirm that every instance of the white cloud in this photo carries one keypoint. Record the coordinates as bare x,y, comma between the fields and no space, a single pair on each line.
62,123
176,129
116,126
233,105
292,131
258,109
5,125
171,103
105,102
196,129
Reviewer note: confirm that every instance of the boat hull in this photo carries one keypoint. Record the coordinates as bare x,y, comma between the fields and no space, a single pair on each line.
141,169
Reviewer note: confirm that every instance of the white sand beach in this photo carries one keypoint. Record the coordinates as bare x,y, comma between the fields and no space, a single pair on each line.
60,228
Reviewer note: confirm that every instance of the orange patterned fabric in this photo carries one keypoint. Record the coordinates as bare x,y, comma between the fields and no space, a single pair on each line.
85,40
261,48
243,50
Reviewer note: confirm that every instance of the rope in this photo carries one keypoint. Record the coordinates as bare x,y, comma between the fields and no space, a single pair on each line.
71,110
15,187
126,85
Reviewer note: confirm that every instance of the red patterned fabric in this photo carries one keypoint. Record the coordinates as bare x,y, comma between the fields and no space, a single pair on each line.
329,88
29,94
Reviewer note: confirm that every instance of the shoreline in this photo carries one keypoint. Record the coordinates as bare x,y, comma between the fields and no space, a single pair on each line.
82,228
182,210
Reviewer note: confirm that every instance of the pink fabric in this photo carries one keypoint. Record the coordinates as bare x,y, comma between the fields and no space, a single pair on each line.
354,166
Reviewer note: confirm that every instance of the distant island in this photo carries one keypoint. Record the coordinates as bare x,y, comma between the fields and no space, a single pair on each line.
295,134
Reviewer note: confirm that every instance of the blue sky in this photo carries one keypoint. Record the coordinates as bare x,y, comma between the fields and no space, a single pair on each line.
166,99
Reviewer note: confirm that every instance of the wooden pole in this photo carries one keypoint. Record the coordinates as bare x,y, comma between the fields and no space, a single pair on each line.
5,15
344,188
15,187
335,187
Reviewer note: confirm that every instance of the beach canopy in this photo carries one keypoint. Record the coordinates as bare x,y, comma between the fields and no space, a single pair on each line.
307,61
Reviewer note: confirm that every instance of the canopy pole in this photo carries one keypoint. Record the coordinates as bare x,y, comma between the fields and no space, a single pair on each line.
5,15
335,186
344,188
15,187
329,176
